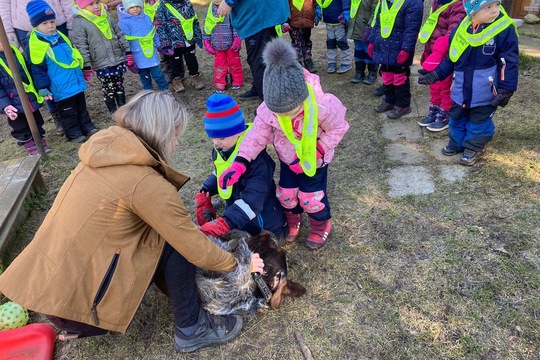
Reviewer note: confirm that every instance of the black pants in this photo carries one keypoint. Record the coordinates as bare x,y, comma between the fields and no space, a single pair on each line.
20,128
176,62
74,116
175,276
254,47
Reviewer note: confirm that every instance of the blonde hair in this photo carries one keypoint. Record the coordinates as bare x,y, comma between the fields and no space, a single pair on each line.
154,117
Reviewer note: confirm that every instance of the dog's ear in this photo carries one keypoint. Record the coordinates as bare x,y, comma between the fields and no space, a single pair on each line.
275,301
293,289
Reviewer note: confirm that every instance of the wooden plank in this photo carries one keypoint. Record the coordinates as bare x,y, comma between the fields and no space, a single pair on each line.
17,178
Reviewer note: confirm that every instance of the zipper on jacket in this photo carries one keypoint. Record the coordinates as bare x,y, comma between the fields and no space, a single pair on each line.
503,68
104,285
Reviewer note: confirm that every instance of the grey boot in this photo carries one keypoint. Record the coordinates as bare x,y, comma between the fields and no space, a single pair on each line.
360,75
372,75
308,64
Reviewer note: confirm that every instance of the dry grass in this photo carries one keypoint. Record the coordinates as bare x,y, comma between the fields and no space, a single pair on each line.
450,275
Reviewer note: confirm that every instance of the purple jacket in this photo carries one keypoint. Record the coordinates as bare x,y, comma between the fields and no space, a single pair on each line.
223,33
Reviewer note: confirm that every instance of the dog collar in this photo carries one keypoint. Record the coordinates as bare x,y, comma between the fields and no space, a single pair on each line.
262,286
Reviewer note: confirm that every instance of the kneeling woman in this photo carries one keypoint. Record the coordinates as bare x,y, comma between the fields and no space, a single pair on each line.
116,224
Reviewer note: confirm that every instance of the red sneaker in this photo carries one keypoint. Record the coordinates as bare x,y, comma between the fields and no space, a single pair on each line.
293,222
320,230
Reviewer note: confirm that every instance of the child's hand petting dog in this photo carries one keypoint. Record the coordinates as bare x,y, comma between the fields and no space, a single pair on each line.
257,264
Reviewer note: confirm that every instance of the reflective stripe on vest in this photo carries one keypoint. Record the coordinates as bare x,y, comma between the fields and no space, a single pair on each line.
388,16
40,48
306,147
324,3
375,13
298,4
146,42
28,88
151,10
222,165
279,30
101,21
187,24
431,22
355,4
462,39
211,21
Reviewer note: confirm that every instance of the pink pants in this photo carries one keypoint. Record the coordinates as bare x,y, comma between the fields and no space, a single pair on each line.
440,93
224,62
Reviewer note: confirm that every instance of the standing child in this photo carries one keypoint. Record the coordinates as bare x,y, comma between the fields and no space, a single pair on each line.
336,15
359,29
305,125
251,204
178,29
11,104
445,16
143,41
222,41
302,20
104,49
56,67
391,44
483,56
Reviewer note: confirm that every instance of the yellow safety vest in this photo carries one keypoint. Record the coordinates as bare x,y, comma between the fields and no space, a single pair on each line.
324,3
151,10
431,23
39,48
187,24
146,42
355,4
222,165
279,30
388,16
375,13
101,21
462,39
211,21
29,88
306,147
298,4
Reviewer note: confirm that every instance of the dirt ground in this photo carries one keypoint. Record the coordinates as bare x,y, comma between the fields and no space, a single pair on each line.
453,274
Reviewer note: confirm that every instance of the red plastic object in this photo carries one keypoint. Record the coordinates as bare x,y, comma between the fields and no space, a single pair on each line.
30,342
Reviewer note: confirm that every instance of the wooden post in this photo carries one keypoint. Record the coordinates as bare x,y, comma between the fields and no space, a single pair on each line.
20,89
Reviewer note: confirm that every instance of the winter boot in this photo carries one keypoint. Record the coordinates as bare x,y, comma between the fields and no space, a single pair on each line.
59,130
178,85
111,104
197,82
320,230
372,74
293,222
120,98
360,75
308,64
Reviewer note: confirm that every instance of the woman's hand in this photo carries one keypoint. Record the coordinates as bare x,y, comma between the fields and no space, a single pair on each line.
224,9
257,264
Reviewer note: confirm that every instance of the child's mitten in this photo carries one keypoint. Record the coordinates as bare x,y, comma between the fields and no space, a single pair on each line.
218,227
428,78
231,175
502,98
402,57
208,47
236,44
204,211
87,73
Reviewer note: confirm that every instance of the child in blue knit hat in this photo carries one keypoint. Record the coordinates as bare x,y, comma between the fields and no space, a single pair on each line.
483,55
251,204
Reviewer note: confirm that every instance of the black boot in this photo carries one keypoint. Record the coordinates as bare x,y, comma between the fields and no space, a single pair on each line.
111,104
120,98
360,75
308,64
372,75
59,130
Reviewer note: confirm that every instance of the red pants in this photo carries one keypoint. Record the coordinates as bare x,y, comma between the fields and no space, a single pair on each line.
227,61
440,93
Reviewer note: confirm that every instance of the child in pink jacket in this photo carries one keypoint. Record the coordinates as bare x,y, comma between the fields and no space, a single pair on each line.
305,125
445,16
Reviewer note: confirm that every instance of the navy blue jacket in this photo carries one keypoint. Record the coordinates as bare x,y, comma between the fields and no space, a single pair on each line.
403,37
472,87
336,8
253,205
8,92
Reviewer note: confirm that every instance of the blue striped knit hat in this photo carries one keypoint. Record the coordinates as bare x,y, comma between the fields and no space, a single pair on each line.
39,11
223,117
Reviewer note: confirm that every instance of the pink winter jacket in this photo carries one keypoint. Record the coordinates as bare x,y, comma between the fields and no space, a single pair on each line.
266,129
14,14
440,50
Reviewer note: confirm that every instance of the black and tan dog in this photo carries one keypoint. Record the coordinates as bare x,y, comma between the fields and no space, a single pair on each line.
236,292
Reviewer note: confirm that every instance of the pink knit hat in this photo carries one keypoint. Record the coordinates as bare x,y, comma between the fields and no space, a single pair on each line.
83,3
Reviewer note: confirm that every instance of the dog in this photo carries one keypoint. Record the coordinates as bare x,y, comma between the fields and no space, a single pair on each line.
236,292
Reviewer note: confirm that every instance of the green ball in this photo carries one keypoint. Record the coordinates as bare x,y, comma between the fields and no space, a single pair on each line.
12,316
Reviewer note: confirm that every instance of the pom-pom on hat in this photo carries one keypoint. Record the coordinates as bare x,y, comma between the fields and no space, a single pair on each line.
39,11
223,117
128,4
83,3
473,6
284,84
